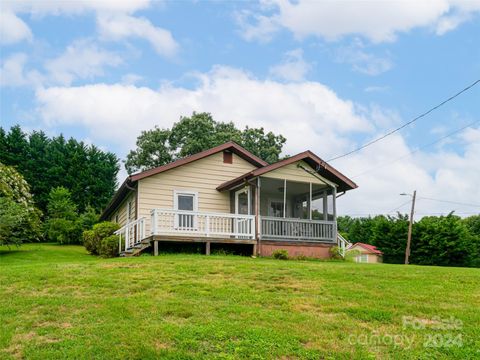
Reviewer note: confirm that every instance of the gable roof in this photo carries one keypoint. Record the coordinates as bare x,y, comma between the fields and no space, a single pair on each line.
368,247
321,167
130,181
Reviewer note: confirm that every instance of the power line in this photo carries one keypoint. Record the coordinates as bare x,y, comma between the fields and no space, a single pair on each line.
408,122
450,202
417,150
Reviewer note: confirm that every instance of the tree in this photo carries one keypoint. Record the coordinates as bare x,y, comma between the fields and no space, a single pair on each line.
19,218
196,133
62,223
88,172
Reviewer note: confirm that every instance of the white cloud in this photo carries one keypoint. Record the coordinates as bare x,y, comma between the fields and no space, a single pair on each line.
293,68
12,28
362,61
377,21
115,20
13,73
309,114
83,59
118,27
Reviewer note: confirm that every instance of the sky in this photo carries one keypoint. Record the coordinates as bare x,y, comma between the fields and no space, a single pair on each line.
328,75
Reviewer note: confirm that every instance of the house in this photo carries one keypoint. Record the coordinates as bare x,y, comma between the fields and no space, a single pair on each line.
228,195
366,253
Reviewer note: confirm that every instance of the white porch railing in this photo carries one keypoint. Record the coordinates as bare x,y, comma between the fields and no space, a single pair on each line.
297,229
192,223
133,233
343,244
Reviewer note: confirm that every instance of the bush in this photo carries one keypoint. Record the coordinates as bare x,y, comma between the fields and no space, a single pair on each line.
335,253
63,231
280,254
89,242
92,239
351,255
109,246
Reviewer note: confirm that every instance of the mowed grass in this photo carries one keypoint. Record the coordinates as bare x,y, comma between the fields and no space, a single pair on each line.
59,302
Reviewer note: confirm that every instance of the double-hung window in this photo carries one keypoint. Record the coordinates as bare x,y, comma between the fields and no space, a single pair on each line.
186,204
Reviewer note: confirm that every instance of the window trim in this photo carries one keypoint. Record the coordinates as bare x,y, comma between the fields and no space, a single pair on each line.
185,192
359,258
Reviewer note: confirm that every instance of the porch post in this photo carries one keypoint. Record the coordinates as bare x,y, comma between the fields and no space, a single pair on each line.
334,203
325,205
284,198
256,249
310,202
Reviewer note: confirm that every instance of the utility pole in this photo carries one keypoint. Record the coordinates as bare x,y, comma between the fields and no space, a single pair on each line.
410,225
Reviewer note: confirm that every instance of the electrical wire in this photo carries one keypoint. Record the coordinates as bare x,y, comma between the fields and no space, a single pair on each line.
417,150
450,202
407,123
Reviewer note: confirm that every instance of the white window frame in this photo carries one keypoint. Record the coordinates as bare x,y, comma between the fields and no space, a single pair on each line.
176,193
128,210
362,258
247,190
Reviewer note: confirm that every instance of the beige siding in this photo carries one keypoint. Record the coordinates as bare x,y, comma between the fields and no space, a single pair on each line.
372,258
292,172
202,176
121,211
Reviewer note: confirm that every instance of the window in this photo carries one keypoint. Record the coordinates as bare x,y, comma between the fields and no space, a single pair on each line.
116,218
185,201
363,258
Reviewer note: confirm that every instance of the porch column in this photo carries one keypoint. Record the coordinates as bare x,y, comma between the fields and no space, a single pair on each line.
310,202
325,205
334,203
284,198
256,248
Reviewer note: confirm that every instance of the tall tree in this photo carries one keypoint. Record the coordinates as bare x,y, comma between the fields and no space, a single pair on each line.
88,172
197,133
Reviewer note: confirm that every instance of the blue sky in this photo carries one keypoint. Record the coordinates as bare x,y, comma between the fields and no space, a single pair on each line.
327,75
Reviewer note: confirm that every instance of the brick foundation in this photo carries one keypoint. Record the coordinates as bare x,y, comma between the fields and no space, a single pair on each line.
319,251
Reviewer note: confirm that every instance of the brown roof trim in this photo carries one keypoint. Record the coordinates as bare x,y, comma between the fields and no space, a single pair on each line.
232,146
132,179
317,163
117,198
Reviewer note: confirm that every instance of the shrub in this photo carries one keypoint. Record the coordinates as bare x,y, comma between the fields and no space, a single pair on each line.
280,254
89,242
301,257
92,239
109,246
351,255
335,253
63,231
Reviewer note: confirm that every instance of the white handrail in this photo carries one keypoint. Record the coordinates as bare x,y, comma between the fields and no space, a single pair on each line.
343,244
133,233
277,228
199,223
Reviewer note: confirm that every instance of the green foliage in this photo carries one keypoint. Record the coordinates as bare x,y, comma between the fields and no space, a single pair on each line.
89,242
351,255
19,218
197,133
92,239
89,173
63,231
443,240
335,253
109,246
60,204
436,240
280,254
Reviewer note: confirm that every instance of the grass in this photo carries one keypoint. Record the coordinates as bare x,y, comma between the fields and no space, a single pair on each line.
59,302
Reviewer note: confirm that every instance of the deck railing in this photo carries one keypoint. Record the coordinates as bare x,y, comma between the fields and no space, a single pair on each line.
204,224
343,244
297,229
131,234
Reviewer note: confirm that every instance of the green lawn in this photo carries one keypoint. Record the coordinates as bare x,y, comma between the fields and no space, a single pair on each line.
59,302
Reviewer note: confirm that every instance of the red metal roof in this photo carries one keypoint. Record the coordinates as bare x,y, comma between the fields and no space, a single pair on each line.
371,248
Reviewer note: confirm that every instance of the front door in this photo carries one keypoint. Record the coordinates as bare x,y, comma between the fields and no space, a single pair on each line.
242,207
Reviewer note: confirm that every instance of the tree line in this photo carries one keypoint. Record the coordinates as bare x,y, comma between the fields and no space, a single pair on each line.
436,240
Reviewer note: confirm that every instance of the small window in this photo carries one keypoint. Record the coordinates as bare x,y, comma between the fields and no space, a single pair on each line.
363,258
227,157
